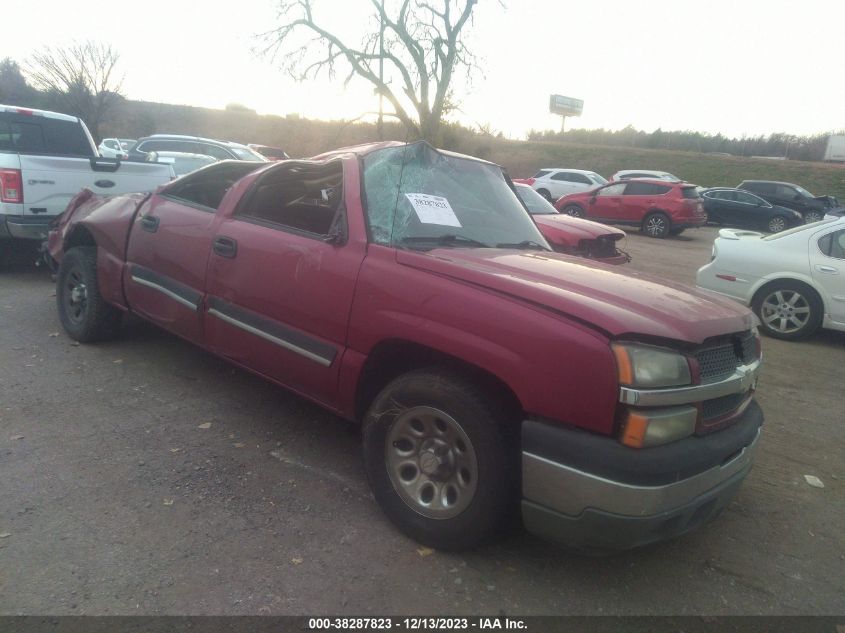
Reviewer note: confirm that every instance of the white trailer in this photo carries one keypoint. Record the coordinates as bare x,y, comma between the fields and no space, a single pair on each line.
835,151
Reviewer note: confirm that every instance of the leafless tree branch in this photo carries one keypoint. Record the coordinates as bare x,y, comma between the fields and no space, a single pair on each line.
81,77
419,42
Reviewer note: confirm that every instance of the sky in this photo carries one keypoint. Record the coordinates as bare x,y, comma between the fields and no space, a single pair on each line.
739,67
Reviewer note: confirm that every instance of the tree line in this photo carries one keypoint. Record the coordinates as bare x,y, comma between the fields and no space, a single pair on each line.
779,144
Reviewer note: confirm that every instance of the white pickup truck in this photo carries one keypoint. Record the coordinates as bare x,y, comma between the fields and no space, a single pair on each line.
46,158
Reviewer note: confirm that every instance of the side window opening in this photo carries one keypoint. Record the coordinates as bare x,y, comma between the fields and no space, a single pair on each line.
301,196
208,187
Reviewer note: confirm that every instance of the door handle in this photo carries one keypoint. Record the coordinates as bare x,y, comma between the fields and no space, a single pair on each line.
225,246
827,269
149,223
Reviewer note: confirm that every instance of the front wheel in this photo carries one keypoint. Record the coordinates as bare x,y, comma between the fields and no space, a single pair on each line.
776,224
441,460
84,313
574,210
813,216
788,310
545,193
656,224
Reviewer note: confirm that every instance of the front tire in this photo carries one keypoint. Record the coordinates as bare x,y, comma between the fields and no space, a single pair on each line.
545,193
776,224
441,459
84,313
574,210
788,310
656,224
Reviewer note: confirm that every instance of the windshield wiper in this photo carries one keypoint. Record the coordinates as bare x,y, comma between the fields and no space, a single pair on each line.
524,244
450,239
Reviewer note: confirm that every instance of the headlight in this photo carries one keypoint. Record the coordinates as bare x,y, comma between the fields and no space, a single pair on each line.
650,367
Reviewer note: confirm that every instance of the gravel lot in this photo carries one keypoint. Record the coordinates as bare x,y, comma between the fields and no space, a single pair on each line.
145,476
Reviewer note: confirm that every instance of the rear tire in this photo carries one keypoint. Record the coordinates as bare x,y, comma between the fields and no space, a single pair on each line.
573,210
788,310
813,216
84,313
656,224
545,193
441,459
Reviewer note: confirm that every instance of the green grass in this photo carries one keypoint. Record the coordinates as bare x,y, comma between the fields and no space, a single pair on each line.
524,158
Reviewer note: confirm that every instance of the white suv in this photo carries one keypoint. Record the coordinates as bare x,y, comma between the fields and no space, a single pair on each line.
115,147
629,174
552,183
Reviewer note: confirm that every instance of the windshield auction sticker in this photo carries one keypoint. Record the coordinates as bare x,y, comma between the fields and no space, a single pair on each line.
433,209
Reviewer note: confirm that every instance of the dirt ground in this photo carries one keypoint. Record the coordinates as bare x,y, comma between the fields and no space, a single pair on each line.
144,476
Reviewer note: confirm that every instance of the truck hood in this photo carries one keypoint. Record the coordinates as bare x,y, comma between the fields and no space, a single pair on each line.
575,228
618,303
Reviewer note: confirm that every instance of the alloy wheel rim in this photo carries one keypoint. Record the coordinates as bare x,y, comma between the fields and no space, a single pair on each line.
76,296
575,212
776,225
785,311
812,216
655,226
431,462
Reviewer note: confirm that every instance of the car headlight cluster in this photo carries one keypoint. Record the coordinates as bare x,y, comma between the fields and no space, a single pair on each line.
648,367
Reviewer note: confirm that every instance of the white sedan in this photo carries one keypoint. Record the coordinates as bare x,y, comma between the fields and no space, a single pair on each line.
793,280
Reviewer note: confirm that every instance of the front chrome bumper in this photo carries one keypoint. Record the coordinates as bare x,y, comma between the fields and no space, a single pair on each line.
590,493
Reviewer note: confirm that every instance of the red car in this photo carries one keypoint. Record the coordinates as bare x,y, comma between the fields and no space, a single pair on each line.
658,207
408,288
570,235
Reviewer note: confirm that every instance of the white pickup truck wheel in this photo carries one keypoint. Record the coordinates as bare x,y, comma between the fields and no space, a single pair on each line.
84,314
438,459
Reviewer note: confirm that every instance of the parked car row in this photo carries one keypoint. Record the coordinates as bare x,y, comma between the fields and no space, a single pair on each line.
650,201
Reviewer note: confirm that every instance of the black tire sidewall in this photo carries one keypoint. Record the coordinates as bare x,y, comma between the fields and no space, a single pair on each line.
497,458
579,211
100,319
813,300
546,194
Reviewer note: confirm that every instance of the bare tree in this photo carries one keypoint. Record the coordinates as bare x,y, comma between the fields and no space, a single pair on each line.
416,44
82,78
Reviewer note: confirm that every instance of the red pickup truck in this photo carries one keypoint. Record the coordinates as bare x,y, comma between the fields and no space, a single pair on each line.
408,288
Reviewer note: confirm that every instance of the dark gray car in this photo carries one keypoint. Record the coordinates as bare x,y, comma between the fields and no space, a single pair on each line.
735,207
791,196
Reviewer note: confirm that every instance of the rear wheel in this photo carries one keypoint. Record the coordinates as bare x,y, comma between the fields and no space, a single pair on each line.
788,310
813,216
574,210
441,460
656,224
83,312
776,224
545,193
